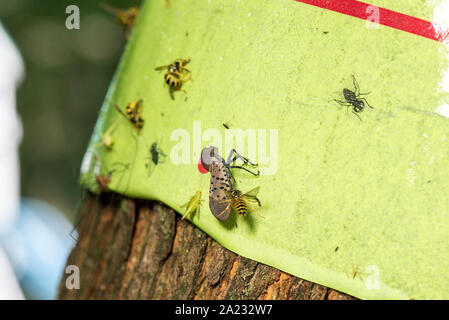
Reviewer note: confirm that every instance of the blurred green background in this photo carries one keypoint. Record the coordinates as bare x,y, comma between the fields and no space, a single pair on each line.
67,75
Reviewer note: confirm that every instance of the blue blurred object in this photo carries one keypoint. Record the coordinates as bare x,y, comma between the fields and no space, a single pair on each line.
38,247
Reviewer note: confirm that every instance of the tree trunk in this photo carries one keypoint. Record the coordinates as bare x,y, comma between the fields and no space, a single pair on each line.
136,249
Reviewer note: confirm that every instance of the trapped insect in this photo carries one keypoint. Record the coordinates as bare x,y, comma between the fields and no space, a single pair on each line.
221,180
156,153
126,18
193,206
107,139
104,180
156,156
241,201
177,73
353,99
133,112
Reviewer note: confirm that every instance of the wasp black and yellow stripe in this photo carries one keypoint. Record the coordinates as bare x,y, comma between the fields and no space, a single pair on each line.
240,206
238,202
137,121
173,79
133,112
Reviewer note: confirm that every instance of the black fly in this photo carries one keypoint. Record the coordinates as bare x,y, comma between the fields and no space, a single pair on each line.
156,153
354,100
156,156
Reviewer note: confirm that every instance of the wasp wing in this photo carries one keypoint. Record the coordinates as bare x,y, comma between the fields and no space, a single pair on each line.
121,111
253,192
137,111
252,195
162,67
111,9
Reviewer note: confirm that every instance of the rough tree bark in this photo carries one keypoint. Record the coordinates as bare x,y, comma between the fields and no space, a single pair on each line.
136,249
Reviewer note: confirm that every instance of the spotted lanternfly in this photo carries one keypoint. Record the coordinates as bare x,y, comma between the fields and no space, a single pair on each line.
221,179
220,186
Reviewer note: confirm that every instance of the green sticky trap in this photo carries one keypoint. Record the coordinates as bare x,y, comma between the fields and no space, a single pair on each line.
357,205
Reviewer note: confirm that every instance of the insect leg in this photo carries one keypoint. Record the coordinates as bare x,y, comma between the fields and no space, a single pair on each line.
254,210
343,103
239,167
111,129
189,77
186,213
238,156
356,85
366,103
254,198
357,115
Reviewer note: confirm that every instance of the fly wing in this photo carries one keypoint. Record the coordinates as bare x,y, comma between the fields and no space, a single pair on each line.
220,186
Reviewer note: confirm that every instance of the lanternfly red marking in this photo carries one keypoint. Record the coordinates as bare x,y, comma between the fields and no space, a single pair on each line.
201,169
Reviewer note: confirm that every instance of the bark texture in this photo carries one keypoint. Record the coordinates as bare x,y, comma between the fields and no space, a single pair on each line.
136,249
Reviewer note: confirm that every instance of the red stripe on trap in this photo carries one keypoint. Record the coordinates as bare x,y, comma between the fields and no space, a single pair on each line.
387,17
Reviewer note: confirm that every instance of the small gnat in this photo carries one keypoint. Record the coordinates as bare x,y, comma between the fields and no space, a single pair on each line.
249,14
426,136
